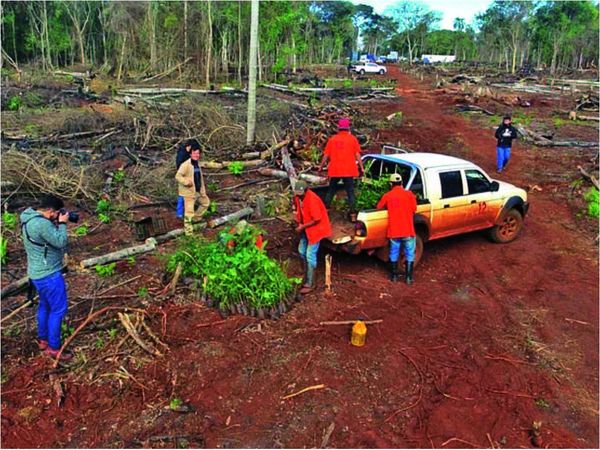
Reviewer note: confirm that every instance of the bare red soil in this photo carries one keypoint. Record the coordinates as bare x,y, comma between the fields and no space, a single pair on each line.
488,340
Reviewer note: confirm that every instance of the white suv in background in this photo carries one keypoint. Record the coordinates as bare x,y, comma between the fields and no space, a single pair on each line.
368,67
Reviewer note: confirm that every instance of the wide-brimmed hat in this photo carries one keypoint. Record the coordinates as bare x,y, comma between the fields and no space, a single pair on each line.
395,178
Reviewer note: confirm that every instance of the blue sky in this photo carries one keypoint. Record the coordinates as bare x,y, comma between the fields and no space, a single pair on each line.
450,9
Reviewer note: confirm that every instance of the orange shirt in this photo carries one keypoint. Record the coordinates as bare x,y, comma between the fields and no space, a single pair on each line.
309,209
342,150
401,205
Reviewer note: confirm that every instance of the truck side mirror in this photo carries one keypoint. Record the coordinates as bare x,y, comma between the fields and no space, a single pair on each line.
494,186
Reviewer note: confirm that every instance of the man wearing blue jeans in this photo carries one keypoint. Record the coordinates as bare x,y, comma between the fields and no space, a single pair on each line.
44,233
504,134
401,205
312,225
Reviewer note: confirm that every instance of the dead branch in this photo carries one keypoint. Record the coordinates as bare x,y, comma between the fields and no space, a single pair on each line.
349,322
589,176
88,319
126,321
310,388
168,71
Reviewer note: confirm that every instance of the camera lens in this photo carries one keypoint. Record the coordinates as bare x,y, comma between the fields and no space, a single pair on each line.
73,217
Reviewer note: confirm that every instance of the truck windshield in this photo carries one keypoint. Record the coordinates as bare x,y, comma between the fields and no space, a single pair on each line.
376,168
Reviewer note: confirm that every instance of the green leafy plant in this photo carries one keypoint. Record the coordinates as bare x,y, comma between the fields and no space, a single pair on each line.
14,103
112,333
142,292
235,269
119,176
236,167
104,218
13,331
104,206
107,270
591,196
212,186
66,330
9,221
175,403
81,230
370,192
3,249
131,260
99,344
212,209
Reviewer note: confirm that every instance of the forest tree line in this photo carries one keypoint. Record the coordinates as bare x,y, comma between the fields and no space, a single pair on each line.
210,39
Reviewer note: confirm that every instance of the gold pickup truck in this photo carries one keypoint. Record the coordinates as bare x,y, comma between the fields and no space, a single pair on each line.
454,196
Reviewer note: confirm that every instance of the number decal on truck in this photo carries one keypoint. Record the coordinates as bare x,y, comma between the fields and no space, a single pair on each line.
482,207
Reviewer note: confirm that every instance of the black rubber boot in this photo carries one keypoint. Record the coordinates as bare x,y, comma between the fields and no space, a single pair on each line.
394,271
409,272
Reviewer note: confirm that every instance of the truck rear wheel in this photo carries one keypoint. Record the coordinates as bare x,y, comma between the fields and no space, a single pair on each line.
362,71
508,228
381,72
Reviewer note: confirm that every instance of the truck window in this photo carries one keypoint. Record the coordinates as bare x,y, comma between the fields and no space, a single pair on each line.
451,183
477,182
417,186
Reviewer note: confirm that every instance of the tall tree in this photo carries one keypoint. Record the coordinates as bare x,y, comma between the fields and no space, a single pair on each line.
252,60
80,14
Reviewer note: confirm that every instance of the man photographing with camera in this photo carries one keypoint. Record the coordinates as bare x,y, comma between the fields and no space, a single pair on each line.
44,234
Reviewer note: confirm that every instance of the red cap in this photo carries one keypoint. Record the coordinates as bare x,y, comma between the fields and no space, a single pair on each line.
344,124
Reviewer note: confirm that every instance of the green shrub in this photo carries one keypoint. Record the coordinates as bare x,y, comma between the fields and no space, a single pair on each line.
236,167
9,221
107,270
3,249
119,176
14,103
81,230
370,192
235,273
591,196
104,209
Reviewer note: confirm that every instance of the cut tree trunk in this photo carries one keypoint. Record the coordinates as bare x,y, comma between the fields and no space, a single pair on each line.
314,179
148,246
233,216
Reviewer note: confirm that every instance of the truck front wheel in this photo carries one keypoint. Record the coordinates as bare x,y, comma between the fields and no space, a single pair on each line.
508,228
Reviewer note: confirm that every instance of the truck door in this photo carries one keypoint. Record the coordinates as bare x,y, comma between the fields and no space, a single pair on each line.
483,203
449,208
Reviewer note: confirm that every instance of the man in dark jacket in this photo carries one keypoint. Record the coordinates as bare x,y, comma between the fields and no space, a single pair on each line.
183,154
505,134
44,233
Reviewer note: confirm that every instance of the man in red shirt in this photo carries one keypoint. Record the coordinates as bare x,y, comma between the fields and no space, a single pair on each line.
343,153
401,205
313,226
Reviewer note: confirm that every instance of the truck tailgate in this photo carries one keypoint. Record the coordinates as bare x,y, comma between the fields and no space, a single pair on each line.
342,230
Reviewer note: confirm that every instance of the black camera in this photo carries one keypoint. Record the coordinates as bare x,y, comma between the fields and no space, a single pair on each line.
73,216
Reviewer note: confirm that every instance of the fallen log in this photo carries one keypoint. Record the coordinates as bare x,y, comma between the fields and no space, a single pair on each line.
233,216
15,287
148,246
270,151
473,108
314,179
224,164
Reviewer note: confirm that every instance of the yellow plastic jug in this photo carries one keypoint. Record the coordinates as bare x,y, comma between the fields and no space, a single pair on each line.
359,334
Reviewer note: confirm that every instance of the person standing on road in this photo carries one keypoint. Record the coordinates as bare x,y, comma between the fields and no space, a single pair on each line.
183,154
343,154
401,205
192,189
44,234
313,226
504,134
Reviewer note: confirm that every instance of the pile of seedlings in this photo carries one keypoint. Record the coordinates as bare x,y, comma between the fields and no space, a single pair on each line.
235,274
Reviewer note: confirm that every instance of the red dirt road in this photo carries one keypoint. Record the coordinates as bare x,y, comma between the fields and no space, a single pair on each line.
488,340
